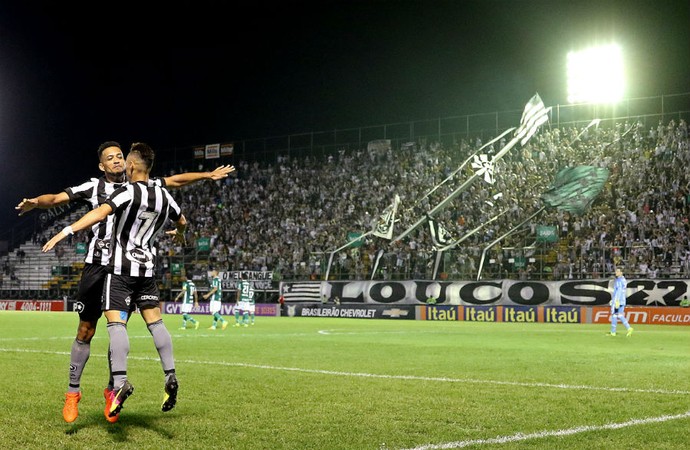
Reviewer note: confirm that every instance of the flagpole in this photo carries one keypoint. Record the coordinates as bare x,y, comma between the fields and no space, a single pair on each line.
593,122
533,116
379,255
455,244
458,191
437,263
481,263
352,242
330,261
462,166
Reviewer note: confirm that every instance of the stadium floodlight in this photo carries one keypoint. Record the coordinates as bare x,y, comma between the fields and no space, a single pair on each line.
596,75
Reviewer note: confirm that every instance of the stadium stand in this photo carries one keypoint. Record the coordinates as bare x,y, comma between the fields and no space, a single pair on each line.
287,214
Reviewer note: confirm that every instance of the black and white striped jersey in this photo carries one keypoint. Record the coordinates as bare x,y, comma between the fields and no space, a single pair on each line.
94,192
141,211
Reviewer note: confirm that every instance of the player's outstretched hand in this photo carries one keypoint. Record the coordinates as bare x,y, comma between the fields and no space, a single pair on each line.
26,205
222,172
177,237
53,242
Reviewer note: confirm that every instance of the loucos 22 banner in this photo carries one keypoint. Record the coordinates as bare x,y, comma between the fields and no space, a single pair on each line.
640,292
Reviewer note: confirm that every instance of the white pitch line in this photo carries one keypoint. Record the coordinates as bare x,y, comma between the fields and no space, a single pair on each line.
391,377
517,437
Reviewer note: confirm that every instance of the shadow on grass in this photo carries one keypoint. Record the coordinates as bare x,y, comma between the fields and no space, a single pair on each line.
120,430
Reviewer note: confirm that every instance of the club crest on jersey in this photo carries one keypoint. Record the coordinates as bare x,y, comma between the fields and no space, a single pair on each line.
78,307
101,244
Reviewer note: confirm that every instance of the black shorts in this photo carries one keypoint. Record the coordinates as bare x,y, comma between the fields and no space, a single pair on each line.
90,292
125,293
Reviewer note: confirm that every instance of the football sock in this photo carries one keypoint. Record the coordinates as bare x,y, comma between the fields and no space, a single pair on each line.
78,357
119,349
110,371
163,343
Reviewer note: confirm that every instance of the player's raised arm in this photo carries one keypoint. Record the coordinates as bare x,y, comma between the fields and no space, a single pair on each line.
178,232
183,179
44,201
88,219
222,172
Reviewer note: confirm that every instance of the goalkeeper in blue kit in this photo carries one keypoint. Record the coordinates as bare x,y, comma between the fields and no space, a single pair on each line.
618,304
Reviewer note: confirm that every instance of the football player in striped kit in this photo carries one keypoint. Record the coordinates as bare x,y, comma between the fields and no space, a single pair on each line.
88,301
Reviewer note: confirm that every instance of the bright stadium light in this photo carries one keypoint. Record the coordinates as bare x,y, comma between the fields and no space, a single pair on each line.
596,75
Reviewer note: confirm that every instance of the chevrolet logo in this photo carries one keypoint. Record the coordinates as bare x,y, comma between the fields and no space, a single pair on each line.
395,312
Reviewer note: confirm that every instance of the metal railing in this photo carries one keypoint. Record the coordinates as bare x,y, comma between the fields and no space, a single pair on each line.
447,130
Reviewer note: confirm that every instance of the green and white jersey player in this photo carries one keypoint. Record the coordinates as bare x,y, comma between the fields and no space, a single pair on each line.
190,299
216,295
245,302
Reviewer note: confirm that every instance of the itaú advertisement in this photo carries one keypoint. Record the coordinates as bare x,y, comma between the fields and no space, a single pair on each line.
517,314
645,315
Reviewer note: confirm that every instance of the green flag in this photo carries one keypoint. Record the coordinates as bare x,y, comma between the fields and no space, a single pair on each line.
354,237
546,233
203,244
575,188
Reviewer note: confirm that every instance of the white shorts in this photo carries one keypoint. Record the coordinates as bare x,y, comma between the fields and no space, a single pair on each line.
243,306
214,306
252,308
186,308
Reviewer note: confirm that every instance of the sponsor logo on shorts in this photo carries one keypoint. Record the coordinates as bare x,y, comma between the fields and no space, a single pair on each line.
149,297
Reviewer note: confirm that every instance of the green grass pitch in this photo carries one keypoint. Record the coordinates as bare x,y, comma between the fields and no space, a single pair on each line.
309,383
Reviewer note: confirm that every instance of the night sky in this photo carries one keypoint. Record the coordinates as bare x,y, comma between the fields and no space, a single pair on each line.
72,77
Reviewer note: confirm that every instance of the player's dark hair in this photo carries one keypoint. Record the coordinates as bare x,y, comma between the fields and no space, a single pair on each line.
145,152
105,145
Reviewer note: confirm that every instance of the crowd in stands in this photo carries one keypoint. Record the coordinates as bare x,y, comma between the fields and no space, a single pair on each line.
289,214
